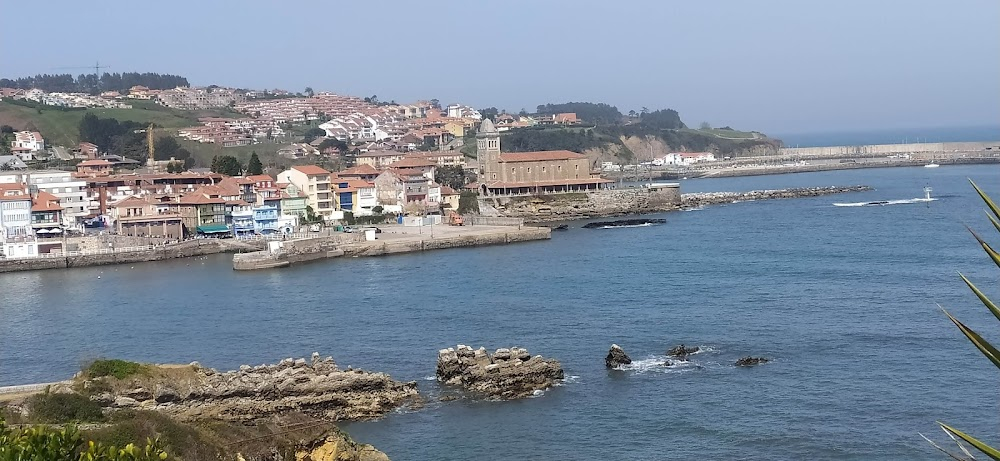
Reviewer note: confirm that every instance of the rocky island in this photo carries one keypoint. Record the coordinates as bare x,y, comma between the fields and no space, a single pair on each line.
506,374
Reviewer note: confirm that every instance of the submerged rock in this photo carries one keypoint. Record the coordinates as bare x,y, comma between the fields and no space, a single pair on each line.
616,357
682,352
507,374
751,361
318,389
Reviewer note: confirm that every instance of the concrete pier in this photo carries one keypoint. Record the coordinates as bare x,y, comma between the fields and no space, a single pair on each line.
393,239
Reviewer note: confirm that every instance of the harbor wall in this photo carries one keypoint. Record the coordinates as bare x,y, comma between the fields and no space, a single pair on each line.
890,149
388,246
184,249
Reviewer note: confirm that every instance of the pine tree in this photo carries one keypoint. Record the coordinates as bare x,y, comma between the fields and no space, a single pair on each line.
254,166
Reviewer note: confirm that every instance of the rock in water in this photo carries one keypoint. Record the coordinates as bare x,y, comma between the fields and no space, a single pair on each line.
507,374
751,361
318,389
616,356
682,352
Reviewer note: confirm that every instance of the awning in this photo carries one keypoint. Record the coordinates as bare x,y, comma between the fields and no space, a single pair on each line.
213,229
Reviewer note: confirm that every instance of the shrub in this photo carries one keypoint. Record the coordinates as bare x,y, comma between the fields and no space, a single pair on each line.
120,369
63,408
66,444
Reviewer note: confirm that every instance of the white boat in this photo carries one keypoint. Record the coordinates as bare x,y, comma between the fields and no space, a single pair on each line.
931,165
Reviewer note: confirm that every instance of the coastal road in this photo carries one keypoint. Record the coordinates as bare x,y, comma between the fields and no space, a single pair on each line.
62,153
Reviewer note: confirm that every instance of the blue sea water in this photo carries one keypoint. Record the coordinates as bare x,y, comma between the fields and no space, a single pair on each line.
844,300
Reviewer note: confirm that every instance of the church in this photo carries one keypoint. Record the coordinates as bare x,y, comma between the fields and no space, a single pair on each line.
521,173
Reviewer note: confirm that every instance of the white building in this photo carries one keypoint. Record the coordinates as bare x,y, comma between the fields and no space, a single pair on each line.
28,140
687,158
17,240
460,111
72,192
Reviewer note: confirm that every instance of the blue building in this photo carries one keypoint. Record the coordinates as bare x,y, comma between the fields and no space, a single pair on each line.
265,219
243,222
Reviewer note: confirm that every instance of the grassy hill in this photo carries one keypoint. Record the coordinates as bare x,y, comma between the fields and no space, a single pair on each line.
60,128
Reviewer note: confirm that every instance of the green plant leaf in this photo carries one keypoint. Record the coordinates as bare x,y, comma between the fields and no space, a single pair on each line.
989,250
984,346
993,220
982,297
987,199
993,453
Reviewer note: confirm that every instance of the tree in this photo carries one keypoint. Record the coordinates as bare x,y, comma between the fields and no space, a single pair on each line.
705,126
309,91
452,176
334,143
227,165
666,119
490,113
631,114
984,346
175,167
254,166
165,147
436,104
377,209
596,113
311,134
6,129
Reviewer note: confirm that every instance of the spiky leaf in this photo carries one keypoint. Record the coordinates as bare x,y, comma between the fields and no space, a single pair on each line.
982,297
993,453
984,346
987,199
989,250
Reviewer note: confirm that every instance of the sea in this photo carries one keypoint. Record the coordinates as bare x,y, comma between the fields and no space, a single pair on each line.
845,301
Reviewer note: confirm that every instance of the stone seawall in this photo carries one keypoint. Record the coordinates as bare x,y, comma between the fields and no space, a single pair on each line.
184,249
393,244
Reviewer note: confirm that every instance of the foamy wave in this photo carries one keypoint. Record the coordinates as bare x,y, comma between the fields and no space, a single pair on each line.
537,393
658,364
567,380
430,378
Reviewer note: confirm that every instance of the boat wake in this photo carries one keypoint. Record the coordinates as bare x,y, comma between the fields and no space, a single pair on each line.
927,198
887,202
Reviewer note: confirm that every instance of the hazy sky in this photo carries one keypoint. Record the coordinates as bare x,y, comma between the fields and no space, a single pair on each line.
780,66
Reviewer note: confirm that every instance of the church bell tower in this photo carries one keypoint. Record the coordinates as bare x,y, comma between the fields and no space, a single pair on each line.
488,151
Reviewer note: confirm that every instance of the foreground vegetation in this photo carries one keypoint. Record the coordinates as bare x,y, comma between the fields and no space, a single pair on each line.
981,344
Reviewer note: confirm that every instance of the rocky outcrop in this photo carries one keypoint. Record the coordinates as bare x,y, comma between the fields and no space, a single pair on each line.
751,361
682,352
316,388
624,223
616,357
338,446
506,374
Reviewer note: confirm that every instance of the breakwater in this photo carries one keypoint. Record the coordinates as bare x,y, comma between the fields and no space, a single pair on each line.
700,199
185,249
392,240
637,201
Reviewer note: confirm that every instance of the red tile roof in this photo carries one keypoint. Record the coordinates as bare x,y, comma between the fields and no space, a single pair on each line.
310,169
360,170
541,156
45,201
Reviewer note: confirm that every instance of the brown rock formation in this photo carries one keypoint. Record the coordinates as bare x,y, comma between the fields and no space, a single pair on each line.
616,357
507,374
317,388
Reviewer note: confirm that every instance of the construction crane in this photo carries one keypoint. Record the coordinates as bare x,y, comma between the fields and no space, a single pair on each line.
149,144
97,68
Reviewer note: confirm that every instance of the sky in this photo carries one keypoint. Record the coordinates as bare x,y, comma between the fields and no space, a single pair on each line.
785,66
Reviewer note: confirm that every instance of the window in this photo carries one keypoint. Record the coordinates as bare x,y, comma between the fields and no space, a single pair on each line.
529,169
513,170
543,169
559,168
577,166
494,176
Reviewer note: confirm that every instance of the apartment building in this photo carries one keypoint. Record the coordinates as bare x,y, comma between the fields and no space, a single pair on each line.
315,182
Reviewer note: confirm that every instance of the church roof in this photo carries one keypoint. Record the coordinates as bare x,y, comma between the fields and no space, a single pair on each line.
545,155
487,126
